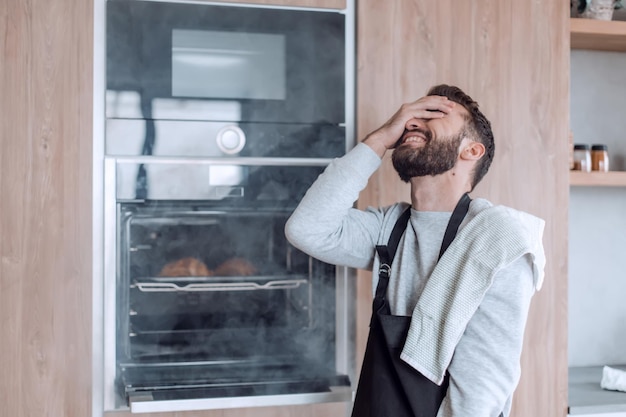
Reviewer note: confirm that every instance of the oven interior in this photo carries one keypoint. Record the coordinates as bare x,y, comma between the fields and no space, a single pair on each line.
213,301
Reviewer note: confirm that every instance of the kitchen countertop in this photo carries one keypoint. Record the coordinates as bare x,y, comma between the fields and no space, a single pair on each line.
585,395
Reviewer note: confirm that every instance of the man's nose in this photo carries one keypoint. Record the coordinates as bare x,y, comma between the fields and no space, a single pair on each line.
414,124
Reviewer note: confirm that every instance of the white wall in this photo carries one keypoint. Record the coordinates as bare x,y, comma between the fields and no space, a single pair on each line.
597,222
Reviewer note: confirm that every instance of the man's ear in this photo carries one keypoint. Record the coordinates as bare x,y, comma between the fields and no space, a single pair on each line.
472,150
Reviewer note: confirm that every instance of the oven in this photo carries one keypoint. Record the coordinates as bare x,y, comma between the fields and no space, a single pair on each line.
218,117
209,306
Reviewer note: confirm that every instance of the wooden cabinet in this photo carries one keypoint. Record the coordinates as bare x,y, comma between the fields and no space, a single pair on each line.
513,58
46,58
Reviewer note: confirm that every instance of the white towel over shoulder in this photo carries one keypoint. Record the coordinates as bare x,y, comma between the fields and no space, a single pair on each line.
492,240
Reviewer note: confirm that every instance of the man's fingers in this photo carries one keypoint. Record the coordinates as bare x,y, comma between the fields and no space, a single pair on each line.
430,107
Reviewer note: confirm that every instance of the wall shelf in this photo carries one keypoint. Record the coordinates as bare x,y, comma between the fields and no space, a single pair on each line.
598,179
598,35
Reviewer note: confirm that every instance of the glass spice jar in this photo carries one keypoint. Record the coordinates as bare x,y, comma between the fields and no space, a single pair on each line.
582,157
599,158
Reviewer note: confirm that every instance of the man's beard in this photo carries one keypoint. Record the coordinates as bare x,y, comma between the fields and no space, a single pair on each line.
434,158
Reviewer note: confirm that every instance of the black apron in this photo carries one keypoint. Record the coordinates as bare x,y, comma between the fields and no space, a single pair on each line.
388,386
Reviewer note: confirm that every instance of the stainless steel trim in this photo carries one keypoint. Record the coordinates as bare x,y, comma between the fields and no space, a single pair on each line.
97,312
109,286
345,356
218,286
144,404
255,6
251,161
350,71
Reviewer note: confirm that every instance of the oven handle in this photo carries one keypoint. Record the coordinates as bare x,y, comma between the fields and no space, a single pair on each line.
219,286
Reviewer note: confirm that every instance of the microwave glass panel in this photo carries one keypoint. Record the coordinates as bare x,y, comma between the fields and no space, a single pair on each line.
228,64
127,104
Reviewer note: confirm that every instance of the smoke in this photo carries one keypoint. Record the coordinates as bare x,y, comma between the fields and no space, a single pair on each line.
272,321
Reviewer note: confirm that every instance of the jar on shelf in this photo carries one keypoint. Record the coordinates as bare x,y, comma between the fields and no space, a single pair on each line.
599,158
582,157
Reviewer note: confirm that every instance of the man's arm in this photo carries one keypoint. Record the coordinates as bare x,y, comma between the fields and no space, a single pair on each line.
485,368
326,226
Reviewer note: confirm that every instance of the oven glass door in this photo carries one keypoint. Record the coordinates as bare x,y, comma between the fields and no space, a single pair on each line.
279,65
214,302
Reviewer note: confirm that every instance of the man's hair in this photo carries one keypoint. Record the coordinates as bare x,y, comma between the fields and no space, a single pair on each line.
477,127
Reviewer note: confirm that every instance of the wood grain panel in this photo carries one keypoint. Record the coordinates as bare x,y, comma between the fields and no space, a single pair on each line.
598,35
45,215
513,58
601,179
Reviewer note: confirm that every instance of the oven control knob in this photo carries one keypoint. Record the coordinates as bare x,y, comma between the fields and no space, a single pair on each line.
231,139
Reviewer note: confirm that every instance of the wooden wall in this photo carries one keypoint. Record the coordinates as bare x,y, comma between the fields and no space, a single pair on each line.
45,207
513,58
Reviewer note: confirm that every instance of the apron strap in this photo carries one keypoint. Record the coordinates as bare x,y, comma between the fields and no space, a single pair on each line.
455,221
386,253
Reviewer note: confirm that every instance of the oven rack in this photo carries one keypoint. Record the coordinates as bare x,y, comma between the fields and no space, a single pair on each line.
204,284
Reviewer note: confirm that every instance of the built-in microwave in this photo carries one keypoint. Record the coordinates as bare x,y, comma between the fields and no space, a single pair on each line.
279,65
205,79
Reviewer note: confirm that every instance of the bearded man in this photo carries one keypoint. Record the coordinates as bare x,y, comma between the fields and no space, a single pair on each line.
453,277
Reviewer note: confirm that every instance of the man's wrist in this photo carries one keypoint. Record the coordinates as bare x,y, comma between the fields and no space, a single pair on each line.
376,144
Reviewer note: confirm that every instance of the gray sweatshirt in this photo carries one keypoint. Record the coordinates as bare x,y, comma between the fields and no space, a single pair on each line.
485,367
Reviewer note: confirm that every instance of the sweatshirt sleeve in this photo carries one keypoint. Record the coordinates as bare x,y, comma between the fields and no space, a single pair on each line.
325,224
485,368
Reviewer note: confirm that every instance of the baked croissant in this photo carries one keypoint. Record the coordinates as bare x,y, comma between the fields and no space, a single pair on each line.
235,267
186,267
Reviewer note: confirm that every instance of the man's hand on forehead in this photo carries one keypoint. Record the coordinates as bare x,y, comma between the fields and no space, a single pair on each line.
442,104
427,107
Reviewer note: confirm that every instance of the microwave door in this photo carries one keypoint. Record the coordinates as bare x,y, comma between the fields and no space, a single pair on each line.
280,65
